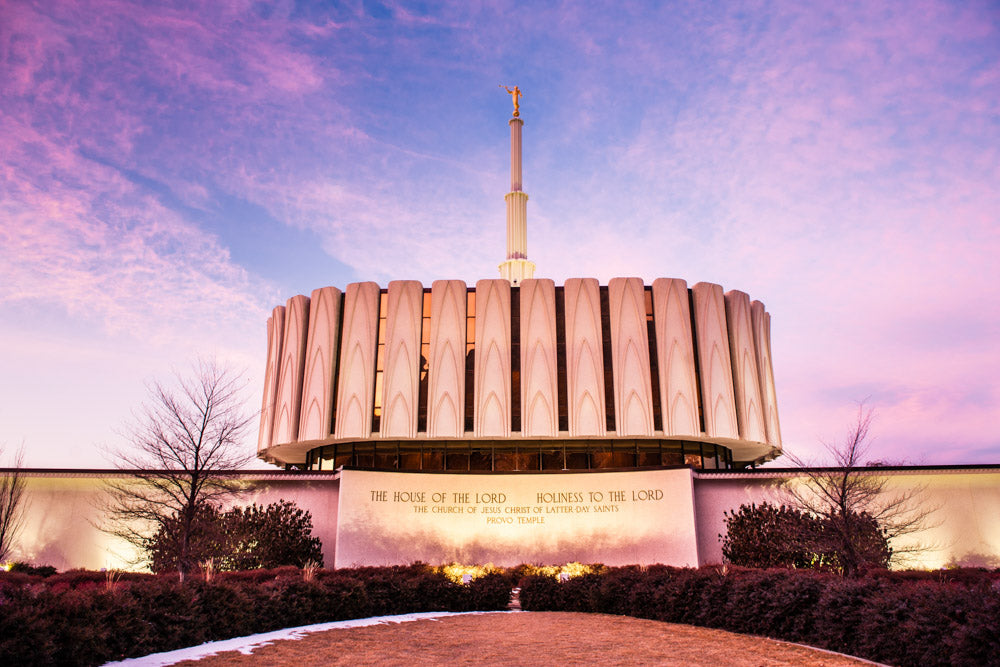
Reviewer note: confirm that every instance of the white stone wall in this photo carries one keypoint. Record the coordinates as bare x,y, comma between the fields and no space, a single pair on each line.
288,402
275,337
962,528
492,379
356,395
401,379
63,516
749,415
321,362
446,393
539,383
584,358
675,358
615,518
712,336
630,358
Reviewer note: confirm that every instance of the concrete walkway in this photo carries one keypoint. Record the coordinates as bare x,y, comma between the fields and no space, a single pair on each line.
502,638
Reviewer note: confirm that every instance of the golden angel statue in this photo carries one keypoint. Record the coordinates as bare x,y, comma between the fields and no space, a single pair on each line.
515,95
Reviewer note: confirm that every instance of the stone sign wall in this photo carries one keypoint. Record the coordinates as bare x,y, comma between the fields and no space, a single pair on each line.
614,518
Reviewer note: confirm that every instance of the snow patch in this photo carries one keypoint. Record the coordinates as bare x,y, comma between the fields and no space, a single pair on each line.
246,645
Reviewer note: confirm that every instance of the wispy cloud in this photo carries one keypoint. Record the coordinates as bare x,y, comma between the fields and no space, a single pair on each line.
838,162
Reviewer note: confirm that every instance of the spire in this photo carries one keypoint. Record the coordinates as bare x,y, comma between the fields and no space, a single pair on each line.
516,267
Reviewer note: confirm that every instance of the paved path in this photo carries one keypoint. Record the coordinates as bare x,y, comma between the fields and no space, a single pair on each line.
534,638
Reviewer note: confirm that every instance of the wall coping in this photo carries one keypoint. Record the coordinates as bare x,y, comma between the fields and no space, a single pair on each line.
867,470
328,475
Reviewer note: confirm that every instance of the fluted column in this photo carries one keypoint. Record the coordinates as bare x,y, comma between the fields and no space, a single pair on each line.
515,154
516,267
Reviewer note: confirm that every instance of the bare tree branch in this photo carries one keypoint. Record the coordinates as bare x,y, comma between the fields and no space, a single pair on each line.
11,503
179,441
845,494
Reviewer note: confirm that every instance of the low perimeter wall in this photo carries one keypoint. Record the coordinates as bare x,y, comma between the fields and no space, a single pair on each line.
672,516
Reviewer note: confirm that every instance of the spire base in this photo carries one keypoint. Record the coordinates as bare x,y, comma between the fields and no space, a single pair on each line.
516,270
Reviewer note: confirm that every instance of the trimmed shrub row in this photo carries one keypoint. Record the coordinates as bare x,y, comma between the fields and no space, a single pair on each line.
894,619
82,619
908,618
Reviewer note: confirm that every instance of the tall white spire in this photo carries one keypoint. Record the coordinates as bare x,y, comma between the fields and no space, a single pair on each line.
516,267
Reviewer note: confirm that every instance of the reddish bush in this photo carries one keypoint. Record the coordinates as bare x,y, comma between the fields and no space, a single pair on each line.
76,618
490,591
896,619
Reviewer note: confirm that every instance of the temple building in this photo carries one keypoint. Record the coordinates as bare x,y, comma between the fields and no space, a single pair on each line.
519,374
519,421
429,406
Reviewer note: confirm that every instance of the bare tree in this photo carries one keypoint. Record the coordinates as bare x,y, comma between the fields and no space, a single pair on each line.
852,498
178,444
11,503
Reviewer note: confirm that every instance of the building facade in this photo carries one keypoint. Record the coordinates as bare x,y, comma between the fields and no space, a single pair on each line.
359,525
532,377
431,404
519,374
518,421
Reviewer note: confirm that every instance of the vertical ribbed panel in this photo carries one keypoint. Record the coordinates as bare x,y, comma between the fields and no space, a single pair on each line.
492,388
761,323
746,384
401,381
275,339
321,360
356,384
630,358
446,384
675,358
719,401
584,358
515,153
539,379
517,225
293,360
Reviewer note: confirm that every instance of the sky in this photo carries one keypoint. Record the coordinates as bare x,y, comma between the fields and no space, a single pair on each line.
169,172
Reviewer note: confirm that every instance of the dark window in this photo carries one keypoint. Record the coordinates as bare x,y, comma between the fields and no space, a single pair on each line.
336,366
409,455
504,459
647,453
515,359
457,456
470,359
654,371
383,309
433,459
510,455
609,377
561,358
577,458
481,456
692,454
527,458
671,455
623,455
553,459
601,454
364,454
386,455
425,355
344,455
697,362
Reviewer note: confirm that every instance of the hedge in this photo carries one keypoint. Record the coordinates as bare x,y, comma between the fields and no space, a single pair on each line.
893,618
79,618
908,618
